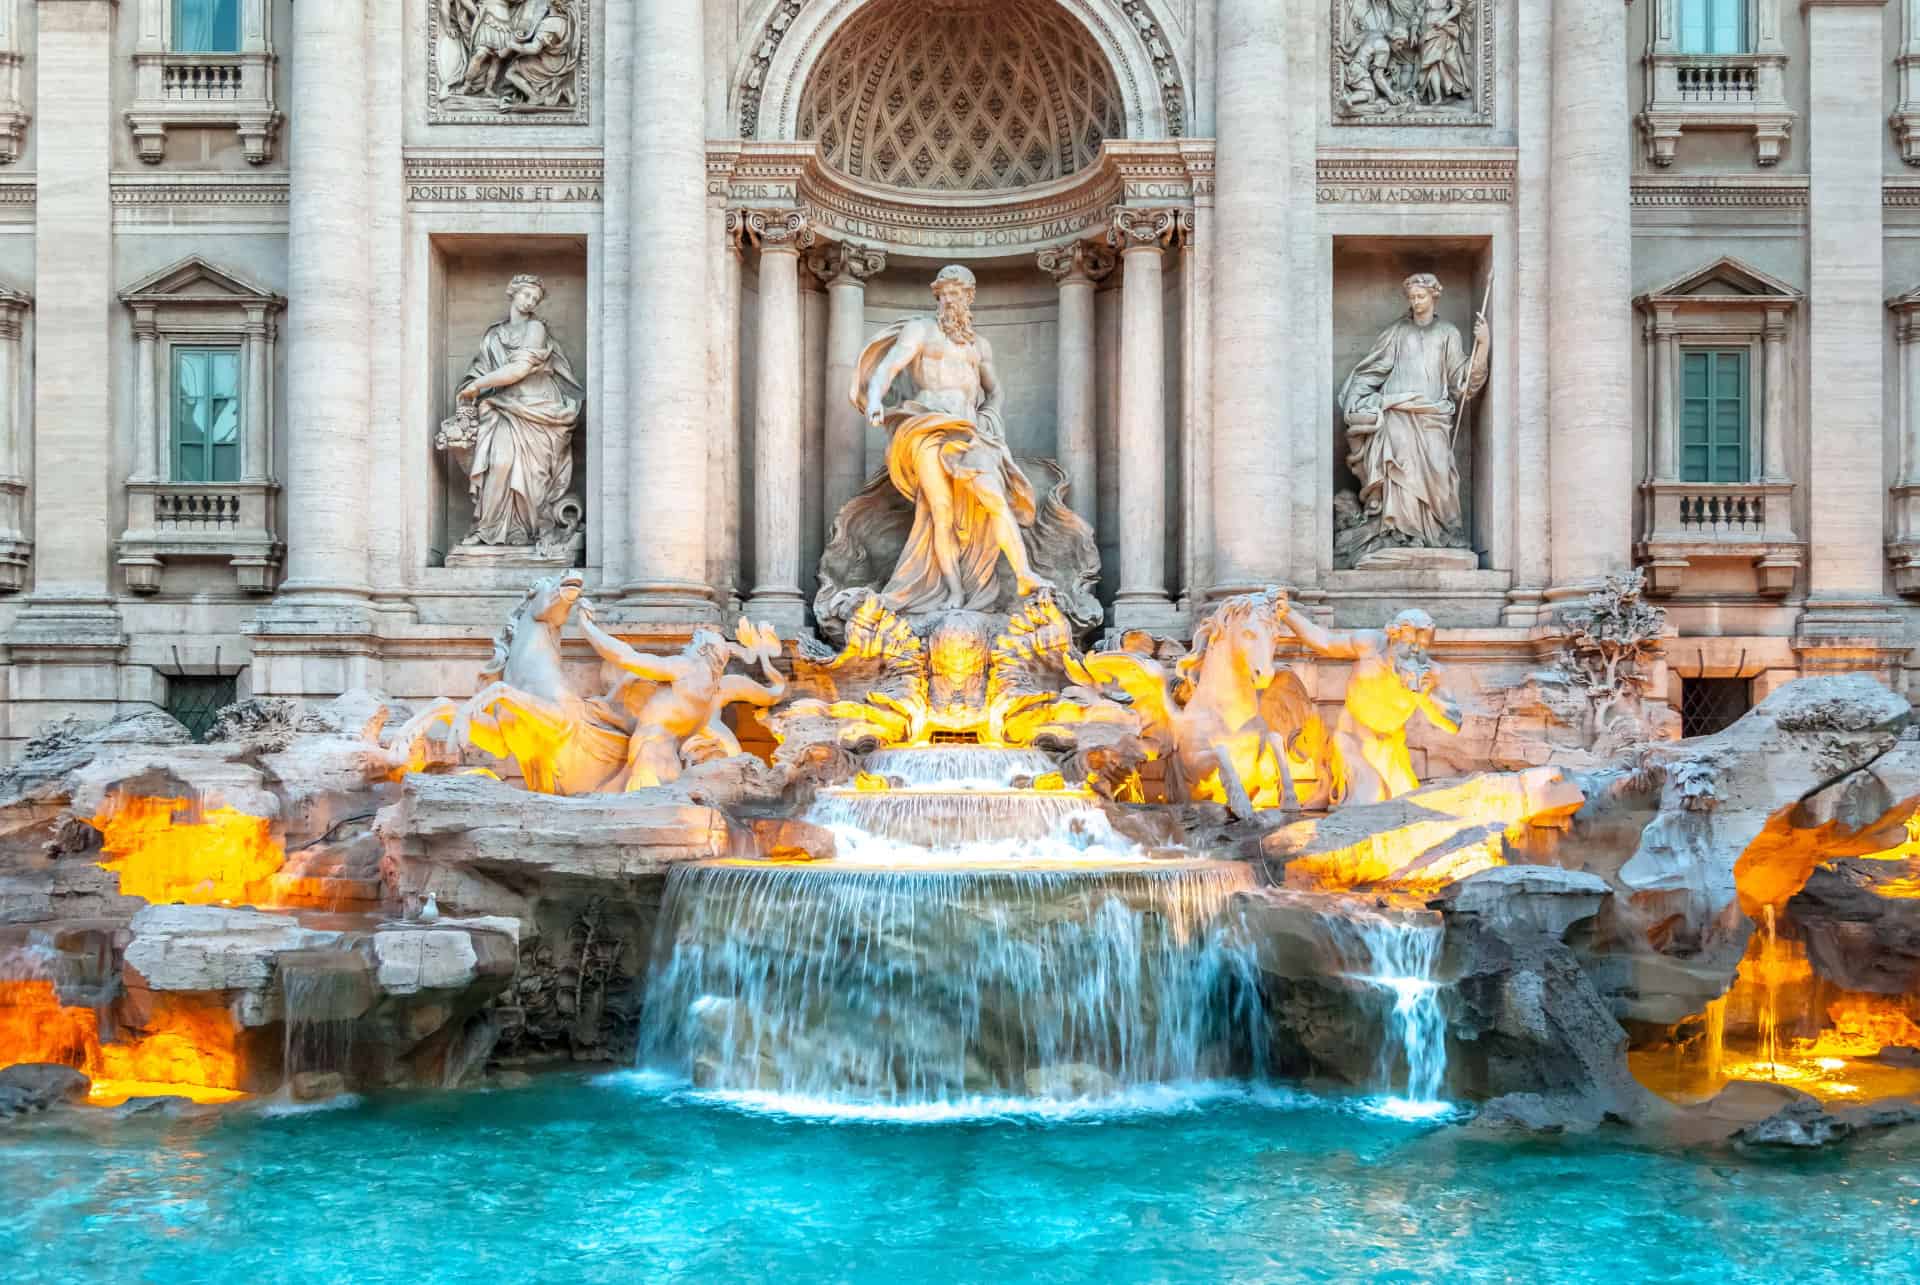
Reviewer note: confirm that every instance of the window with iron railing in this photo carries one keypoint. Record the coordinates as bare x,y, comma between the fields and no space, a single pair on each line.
206,26
1713,26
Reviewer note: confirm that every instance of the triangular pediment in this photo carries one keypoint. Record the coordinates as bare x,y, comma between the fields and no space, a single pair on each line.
194,280
1726,279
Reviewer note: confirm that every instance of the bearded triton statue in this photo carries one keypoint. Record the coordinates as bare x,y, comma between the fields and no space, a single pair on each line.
978,537
1403,406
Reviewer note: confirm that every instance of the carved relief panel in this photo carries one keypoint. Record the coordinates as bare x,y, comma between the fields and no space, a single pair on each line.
1412,62
508,62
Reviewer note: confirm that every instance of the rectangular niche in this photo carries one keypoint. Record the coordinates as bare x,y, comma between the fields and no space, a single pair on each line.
1368,295
468,295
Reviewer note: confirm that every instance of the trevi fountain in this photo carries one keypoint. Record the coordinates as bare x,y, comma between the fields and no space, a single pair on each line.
948,899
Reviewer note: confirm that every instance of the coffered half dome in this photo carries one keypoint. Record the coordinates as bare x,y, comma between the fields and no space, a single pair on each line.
961,95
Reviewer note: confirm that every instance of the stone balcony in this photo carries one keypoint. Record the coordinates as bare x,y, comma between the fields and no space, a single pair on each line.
228,521
1716,91
1689,523
204,91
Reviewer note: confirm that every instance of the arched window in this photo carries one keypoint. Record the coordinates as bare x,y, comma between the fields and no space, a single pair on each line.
1713,26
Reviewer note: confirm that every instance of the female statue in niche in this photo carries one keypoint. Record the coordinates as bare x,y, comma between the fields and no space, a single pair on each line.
517,409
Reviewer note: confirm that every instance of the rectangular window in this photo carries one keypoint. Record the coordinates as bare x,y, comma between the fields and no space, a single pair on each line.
1713,415
206,414
1713,26
1709,705
197,699
206,26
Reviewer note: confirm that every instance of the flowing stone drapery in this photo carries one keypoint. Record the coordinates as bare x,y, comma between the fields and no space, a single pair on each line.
329,287
667,334
1075,269
1590,333
1252,296
777,421
1141,236
845,268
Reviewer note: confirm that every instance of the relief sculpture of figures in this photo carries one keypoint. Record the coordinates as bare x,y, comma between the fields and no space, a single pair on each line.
1406,61
981,537
1403,405
512,432
507,56
1393,678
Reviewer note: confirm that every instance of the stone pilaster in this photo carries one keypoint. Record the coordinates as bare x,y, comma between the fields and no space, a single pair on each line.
1075,269
1846,624
329,288
67,642
1252,298
723,406
1141,236
778,419
15,547
667,332
846,268
1589,325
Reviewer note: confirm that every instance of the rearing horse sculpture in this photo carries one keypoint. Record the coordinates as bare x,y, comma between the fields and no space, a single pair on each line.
565,740
1237,722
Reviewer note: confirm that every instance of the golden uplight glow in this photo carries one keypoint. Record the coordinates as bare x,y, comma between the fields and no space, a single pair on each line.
189,1049
165,854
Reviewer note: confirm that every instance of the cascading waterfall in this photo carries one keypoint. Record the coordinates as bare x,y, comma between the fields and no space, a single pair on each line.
1397,952
914,986
324,992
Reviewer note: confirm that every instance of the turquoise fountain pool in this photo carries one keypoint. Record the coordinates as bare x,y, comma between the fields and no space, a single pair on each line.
620,1178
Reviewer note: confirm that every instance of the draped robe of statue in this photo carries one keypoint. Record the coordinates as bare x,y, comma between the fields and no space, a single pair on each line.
1412,380
522,463
1059,544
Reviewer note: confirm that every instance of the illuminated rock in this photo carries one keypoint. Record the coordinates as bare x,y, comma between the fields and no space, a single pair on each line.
214,948
1512,900
1857,936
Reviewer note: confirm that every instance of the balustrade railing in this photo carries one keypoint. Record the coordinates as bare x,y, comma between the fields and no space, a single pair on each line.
201,81
1717,82
196,511
1710,512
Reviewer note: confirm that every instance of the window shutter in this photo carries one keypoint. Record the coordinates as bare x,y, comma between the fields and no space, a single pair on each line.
1713,416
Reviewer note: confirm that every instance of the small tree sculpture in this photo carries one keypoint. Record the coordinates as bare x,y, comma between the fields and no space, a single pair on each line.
1610,642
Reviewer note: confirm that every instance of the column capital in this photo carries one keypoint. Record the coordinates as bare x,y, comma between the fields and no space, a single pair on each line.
1081,261
772,231
1134,227
846,263
146,322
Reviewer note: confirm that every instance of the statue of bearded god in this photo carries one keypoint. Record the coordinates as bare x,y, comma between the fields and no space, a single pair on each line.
956,522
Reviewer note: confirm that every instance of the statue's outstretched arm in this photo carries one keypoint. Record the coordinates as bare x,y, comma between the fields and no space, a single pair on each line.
906,346
1333,643
989,378
660,669
1440,711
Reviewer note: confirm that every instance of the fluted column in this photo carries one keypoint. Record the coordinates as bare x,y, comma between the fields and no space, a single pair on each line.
723,407
777,422
667,332
14,546
1252,297
1141,237
256,464
329,289
845,268
1590,327
1075,269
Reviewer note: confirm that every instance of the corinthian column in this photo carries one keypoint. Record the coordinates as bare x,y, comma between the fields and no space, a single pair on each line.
1140,236
1590,326
845,268
329,294
777,421
667,333
1252,294
1075,269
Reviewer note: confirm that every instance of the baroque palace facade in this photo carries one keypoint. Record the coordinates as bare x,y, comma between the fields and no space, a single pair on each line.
328,325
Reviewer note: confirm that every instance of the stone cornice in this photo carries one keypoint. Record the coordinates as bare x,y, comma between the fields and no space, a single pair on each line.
1720,191
962,225
204,189
465,176
1395,176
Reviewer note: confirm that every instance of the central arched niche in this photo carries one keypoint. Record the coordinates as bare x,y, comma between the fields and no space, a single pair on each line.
961,95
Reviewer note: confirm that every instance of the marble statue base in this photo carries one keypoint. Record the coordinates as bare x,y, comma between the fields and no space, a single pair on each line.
517,555
1409,559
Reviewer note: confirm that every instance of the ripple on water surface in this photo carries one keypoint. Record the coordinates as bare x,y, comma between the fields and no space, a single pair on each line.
623,1179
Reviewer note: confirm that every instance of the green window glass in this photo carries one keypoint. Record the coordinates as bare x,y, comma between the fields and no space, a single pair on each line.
206,415
206,26
1713,415
1713,26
